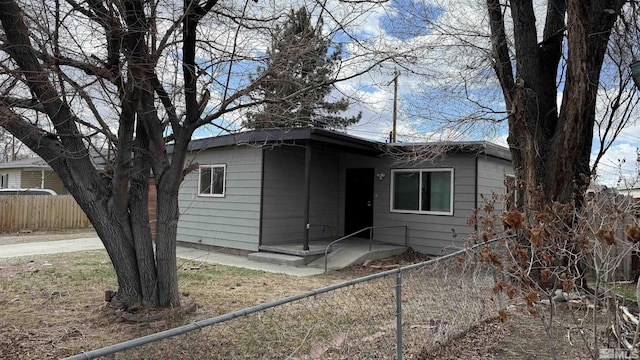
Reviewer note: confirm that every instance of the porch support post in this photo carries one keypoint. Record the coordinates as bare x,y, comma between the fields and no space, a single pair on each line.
307,194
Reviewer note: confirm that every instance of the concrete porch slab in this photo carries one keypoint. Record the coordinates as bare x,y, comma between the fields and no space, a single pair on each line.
344,255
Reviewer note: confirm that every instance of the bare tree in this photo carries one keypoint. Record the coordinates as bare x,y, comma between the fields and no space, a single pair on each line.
551,146
141,76
618,105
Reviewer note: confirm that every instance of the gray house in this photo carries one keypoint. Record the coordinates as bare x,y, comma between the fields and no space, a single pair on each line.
256,190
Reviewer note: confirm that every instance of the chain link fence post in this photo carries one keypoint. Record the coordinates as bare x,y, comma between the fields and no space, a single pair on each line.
399,315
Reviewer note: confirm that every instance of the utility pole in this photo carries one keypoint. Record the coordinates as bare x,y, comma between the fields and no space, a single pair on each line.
395,105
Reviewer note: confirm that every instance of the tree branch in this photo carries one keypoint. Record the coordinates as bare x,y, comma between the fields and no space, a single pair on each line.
502,60
31,104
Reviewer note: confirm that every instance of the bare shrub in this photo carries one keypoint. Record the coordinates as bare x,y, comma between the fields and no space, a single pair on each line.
563,257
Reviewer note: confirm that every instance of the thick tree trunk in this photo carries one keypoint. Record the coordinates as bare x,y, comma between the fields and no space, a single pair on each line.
139,214
550,146
166,246
120,247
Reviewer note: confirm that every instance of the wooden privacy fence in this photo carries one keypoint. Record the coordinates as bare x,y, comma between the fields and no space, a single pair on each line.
40,212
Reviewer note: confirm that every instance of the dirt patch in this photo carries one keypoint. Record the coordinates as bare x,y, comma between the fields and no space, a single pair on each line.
375,266
40,236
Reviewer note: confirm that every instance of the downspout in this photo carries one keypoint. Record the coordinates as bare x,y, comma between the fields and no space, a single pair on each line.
307,193
475,197
261,221
41,178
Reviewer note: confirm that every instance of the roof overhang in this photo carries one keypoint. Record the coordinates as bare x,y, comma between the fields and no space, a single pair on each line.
336,140
430,150
275,137
32,164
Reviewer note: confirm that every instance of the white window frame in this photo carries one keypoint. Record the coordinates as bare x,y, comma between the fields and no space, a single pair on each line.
224,180
516,194
420,171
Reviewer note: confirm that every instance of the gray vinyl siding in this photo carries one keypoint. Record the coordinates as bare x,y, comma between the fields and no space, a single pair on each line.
491,175
431,234
284,198
325,177
232,221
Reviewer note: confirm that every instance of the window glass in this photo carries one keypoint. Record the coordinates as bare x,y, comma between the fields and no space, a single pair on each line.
205,180
439,191
406,194
217,182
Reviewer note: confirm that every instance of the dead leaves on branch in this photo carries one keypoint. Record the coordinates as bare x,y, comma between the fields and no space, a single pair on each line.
536,237
513,220
546,249
505,287
606,235
488,257
633,233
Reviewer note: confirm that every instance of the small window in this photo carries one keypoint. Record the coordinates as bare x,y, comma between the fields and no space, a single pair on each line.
511,192
428,191
4,181
212,180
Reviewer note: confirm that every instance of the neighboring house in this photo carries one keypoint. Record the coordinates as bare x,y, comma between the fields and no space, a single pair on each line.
634,192
36,173
33,173
258,189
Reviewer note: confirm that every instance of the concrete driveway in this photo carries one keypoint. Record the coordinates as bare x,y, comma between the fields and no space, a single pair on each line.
50,247
94,243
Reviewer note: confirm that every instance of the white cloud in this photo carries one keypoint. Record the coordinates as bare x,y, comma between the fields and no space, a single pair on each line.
618,167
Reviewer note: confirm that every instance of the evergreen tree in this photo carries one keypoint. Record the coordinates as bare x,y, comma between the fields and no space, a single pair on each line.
297,79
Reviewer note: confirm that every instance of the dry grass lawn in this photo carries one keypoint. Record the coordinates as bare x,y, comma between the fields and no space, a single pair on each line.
53,306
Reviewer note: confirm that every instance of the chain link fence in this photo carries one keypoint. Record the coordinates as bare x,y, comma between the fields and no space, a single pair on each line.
400,313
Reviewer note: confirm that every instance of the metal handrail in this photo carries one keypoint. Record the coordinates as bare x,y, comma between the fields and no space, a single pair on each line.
328,248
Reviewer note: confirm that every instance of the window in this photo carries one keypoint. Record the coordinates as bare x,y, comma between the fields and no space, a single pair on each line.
427,191
4,181
511,192
212,180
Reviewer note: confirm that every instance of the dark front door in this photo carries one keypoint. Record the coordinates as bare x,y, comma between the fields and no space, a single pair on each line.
358,201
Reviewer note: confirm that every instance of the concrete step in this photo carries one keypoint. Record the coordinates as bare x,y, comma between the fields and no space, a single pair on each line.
278,259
